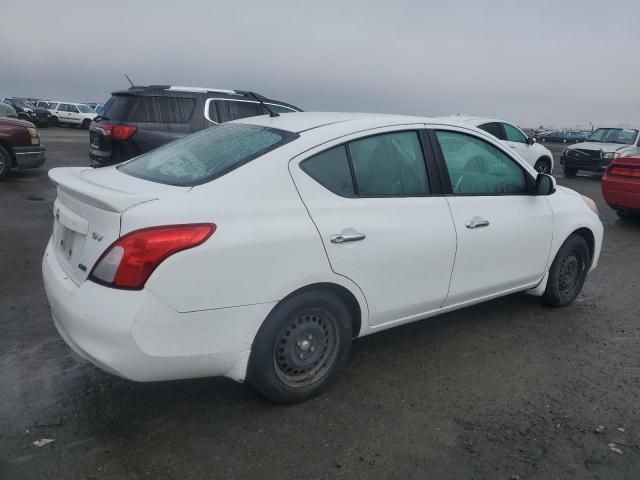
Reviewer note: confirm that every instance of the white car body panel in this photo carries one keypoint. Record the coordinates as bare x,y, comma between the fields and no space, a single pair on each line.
200,311
75,117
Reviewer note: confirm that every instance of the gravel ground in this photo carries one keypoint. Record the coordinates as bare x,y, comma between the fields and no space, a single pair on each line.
505,390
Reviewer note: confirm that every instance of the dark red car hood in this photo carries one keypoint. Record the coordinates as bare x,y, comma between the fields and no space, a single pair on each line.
15,121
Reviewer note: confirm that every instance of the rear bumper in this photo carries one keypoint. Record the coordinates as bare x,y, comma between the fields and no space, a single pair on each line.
133,334
29,157
621,193
588,164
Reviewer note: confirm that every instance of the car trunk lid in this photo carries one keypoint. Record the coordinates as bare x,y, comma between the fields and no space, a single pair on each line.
88,209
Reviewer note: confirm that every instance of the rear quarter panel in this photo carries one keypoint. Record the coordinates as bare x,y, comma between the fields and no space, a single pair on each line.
265,245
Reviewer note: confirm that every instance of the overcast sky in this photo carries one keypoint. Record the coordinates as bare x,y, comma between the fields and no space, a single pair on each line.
532,62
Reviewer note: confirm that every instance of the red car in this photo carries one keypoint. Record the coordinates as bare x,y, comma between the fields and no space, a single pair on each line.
19,145
621,186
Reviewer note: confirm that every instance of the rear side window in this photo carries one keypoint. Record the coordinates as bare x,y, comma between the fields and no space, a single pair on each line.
389,164
232,110
162,109
280,108
207,154
494,128
331,170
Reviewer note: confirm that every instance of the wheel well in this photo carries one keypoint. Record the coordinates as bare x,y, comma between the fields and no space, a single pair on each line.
545,158
589,238
345,295
8,148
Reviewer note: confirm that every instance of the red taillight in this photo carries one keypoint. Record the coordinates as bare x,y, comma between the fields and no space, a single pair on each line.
624,171
119,132
130,261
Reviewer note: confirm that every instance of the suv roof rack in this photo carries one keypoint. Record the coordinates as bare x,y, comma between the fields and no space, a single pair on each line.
177,88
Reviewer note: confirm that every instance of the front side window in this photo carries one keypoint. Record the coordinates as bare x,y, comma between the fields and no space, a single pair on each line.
86,109
389,164
161,109
331,170
72,108
478,168
232,110
206,155
53,106
513,134
494,128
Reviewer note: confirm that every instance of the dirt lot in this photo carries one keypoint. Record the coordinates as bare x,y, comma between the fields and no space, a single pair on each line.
505,390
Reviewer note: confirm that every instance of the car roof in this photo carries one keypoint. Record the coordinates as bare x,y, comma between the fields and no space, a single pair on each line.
302,121
475,121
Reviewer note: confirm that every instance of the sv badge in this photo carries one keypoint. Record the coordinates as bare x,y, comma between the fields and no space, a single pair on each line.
97,236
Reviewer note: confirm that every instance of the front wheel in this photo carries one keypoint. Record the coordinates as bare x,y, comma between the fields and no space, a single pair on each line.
543,166
300,347
570,172
5,163
85,124
568,272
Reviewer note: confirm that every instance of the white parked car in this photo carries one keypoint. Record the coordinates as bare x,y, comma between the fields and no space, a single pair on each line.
260,248
76,114
538,156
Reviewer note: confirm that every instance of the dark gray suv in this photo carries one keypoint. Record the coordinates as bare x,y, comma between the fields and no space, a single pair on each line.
140,119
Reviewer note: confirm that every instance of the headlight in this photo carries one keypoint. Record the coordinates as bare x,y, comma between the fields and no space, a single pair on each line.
609,155
35,136
591,204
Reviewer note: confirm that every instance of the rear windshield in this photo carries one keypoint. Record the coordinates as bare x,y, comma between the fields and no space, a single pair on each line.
207,154
117,107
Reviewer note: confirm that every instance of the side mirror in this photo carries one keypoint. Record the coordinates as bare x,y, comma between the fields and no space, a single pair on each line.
531,140
545,184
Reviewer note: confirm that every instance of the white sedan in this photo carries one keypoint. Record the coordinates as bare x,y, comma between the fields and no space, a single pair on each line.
259,249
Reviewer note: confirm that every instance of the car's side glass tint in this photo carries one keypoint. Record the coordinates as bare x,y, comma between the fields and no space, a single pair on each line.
331,170
477,167
494,129
162,109
513,134
389,164
230,110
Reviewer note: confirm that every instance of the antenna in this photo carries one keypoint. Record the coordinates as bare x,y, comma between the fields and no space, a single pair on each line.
271,112
127,77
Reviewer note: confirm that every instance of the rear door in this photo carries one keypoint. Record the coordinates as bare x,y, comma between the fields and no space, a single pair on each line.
74,114
384,225
504,232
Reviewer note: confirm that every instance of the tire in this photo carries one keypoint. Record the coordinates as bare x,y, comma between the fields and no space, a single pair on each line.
301,346
543,165
85,124
5,163
23,116
570,172
623,214
54,121
568,272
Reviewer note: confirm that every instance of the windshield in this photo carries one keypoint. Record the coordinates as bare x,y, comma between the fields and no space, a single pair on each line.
21,103
85,109
614,135
205,155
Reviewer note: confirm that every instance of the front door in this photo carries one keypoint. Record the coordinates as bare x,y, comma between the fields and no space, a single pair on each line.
382,226
504,232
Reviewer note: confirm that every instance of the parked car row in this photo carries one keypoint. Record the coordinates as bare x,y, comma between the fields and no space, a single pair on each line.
562,136
26,110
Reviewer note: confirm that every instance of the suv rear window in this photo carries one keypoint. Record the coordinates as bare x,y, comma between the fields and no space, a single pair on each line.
162,109
206,155
117,107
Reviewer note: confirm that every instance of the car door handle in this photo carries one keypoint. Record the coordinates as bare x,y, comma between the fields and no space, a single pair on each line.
348,237
477,222
512,146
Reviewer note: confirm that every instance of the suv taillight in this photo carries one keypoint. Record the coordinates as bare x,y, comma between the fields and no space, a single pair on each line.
131,259
119,131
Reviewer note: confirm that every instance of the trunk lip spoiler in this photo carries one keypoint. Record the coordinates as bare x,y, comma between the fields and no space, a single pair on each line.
70,181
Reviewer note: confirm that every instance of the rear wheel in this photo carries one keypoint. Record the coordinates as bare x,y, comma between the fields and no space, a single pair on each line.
570,172
54,121
300,347
543,165
5,163
85,124
568,272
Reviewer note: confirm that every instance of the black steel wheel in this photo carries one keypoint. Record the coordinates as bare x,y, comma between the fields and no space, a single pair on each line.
543,166
300,347
5,162
568,272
